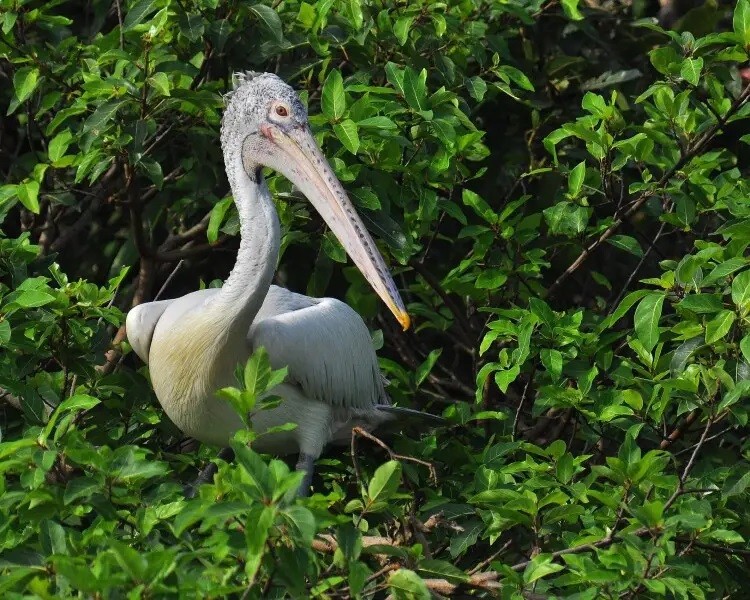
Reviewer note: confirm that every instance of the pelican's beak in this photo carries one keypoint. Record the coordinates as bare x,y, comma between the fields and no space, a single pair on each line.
307,168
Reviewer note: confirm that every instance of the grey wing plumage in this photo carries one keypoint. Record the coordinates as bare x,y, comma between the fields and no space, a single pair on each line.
325,345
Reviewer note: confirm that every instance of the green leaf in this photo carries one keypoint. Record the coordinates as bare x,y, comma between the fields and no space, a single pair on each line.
395,77
626,304
444,131
407,585
736,485
741,21
160,82
702,303
153,169
5,332
570,8
477,87
539,567
59,144
724,269
385,481
566,218
745,348
270,20
691,70
552,361
465,539
52,537
366,198
191,26
401,29
377,123
218,212
355,7
505,377
262,518
415,89
575,179
627,243
72,404
131,561
101,116
34,299
80,487
424,369
442,569
303,521
480,207
647,315
346,132
741,290
491,279
28,194
518,77
333,101
138,12
25,81
9,20
77,402
719,326
257,372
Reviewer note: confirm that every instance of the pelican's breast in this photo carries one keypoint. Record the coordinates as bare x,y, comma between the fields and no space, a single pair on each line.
187,365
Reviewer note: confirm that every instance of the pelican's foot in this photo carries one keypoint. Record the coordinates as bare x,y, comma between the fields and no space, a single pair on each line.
207,473
306,463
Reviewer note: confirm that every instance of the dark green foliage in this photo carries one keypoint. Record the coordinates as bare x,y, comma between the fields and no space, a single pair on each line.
561,191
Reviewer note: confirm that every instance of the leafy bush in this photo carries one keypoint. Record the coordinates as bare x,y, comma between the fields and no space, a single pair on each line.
561,191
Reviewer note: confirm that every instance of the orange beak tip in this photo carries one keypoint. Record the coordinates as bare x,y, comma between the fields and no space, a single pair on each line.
405,320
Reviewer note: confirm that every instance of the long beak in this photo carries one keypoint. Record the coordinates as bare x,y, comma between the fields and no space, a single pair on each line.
309,170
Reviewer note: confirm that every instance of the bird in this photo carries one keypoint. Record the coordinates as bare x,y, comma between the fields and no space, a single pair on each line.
193,344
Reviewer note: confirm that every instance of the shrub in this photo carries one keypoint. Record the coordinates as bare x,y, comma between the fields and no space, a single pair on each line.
561,192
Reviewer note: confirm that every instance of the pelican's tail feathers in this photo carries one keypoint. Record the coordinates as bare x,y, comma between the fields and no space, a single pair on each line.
398,412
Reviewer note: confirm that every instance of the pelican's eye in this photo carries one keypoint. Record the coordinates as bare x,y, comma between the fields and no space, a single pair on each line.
281,110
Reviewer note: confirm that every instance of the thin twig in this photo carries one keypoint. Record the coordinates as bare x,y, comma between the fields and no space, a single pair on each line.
688,467
679,430
491,557
169,279
465,328
625,287
715,547
520,405
358,431
119,21
603,543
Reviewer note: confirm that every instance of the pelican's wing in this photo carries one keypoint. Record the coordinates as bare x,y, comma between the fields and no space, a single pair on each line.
326,346
141,323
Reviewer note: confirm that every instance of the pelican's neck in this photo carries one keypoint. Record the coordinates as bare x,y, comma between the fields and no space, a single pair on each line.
246,287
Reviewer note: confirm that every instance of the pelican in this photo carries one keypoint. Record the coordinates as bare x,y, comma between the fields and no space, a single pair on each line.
193,344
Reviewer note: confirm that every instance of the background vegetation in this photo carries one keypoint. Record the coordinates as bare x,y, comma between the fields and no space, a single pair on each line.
560,188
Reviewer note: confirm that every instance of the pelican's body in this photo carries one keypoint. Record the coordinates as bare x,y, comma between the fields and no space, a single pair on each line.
193,344
322,341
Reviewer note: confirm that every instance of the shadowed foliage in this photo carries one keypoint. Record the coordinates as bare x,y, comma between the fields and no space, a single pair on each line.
560,190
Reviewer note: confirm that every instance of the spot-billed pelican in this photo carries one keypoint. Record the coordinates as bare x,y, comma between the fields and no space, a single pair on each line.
194,343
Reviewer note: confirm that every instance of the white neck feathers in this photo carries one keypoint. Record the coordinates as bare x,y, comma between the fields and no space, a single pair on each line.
246,287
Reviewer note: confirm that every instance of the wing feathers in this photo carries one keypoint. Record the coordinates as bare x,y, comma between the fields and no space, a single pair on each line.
328,350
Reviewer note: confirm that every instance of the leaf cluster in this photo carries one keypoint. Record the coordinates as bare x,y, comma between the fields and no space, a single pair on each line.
561,192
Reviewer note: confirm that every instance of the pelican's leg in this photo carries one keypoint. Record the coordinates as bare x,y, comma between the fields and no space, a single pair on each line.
207,473
306,463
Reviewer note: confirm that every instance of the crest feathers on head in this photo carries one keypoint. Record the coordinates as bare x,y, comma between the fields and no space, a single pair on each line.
241,77
238,79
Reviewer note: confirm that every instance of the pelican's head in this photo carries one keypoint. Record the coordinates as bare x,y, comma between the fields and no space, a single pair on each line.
271,122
